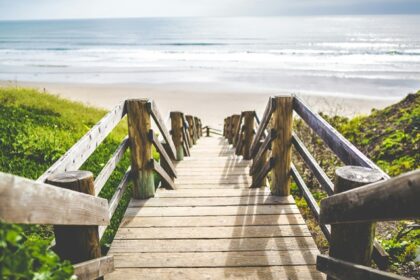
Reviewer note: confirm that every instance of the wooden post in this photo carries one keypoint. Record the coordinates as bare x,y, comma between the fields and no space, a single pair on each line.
177,127
224,127
230,130
258,166
282,145
235,124
76,243
353,242
248,117
207,131
139,124
191,128
197,127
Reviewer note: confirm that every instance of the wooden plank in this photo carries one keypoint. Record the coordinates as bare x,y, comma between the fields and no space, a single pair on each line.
187,221
342,270
213,232
214,186
38,203
106,172
161,150
213,193
185,142
95,268
212,245
80,152
345,150
153,110
395,199
211,211
263,173
215,201
319,174
227,180
217,273
122,187
162,173
263,125
263,148
310,200
216,259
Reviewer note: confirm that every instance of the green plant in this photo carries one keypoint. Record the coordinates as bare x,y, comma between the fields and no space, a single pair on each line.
29,257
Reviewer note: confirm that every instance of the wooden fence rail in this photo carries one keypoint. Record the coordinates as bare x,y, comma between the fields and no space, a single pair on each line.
271,149
69,201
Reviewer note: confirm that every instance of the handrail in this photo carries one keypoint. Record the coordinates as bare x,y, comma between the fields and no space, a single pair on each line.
260,165
309,160
80,152
26,201
264,122
345,150
110,166
342,270
161,125
161,150
395,199
94,269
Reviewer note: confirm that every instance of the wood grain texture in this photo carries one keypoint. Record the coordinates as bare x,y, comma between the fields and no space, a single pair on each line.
177,127
106,172
346,151
273,272
80,152
139,125
95,268
339,269
262,126
282,145
248,117
38,203
170,168
76,243
213,223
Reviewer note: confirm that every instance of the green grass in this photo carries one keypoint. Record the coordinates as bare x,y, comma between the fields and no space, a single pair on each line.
37,128
391,138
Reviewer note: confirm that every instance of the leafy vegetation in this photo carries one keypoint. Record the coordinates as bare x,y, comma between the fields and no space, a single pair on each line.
391,138
36,129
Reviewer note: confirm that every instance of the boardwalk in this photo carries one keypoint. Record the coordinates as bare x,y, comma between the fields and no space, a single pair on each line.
213,226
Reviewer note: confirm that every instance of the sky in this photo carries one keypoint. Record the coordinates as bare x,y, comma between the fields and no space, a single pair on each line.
68,9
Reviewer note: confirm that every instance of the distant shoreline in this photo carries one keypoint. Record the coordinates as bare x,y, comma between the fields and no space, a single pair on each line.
209,102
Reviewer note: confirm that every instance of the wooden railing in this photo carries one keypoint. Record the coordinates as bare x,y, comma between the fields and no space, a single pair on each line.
79,217
271,148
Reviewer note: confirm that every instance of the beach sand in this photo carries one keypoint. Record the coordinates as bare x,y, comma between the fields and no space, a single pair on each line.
209,102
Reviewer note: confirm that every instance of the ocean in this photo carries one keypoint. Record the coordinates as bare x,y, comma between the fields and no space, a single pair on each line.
365,56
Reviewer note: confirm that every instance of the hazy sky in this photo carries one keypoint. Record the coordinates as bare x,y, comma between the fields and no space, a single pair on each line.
48,9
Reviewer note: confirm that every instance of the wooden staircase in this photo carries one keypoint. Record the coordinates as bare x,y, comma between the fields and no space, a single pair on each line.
213,226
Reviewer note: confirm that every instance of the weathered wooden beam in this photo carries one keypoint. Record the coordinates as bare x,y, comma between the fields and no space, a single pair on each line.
319,174
191,129
248,117
394,199
163,155
119,191
76,243
153,110
238,130
38,203
310,200
339,269
139,124
110,166
94,269
240,143
263,125
343,236
162,173
80,152
177,123
235,126
260,177
282,145
262,150
345,151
